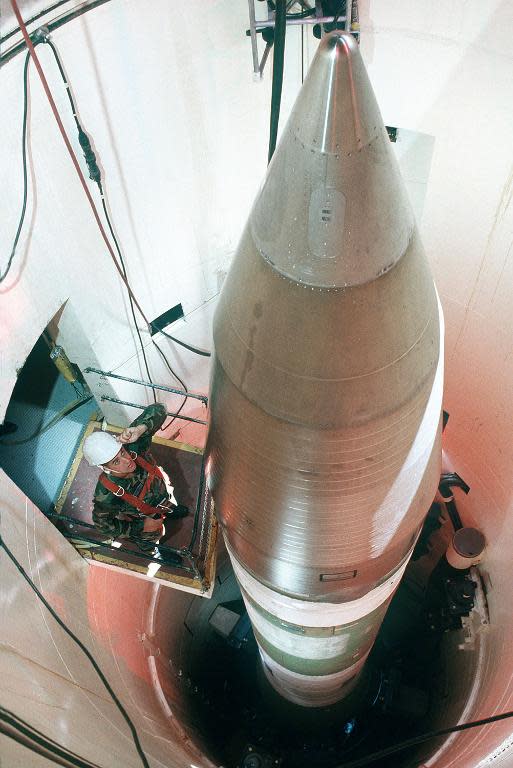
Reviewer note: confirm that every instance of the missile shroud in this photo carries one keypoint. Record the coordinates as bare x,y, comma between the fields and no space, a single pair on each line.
324,441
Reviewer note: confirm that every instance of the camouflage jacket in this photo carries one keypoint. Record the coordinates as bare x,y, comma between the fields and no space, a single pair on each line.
111,514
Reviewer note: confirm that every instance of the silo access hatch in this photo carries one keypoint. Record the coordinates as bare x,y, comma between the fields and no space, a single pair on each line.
191,539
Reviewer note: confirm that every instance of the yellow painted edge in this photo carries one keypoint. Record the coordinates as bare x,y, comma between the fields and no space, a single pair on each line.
73,469
211,555
172,578
179,446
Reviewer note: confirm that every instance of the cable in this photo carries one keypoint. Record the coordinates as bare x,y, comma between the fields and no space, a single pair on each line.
31,738
24,160
302,14
280,29
166,362
69,408
364,761
339,12
82,647
129,297
196,350
89,156
74,158
95,175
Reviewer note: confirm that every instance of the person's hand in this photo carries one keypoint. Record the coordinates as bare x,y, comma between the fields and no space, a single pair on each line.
152,526
131,434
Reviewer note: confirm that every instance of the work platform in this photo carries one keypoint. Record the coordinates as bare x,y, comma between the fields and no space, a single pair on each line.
192,538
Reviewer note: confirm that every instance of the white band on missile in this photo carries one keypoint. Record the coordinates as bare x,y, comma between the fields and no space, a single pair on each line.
310,690
315,614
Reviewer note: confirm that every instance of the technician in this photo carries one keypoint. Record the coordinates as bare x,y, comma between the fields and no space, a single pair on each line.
133,496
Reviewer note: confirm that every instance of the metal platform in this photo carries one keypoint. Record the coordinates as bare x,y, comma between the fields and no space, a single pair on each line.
193,538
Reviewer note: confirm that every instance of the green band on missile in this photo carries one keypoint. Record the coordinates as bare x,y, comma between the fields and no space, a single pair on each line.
304,666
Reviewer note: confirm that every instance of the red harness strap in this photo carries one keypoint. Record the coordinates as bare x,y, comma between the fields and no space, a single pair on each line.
136,501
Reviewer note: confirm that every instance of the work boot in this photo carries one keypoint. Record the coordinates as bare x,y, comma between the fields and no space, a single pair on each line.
166,558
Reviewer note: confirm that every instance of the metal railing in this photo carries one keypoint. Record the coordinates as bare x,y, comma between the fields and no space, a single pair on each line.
109,375
142,407
162,387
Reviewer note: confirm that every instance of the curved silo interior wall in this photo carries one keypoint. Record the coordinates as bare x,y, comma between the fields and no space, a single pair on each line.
133,628
181,133
447,73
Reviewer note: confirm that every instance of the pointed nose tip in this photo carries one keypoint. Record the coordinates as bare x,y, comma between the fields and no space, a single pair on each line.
339,45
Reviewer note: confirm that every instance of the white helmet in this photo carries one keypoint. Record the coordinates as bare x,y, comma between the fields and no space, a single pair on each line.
100,447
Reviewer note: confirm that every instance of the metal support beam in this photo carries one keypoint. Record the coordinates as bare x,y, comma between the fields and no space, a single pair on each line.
108,375
316,17
300,22
349,10
254,41
142,407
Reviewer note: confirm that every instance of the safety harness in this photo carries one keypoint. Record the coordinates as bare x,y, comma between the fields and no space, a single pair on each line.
137,501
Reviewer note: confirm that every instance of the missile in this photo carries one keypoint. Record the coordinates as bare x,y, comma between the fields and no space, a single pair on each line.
323,454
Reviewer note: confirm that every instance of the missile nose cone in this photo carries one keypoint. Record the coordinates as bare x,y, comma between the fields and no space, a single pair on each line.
332,211
347,116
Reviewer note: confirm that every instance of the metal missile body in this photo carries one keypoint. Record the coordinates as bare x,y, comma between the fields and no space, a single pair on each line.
324,439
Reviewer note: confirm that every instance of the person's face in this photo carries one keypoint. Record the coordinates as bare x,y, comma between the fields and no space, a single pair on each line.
121,464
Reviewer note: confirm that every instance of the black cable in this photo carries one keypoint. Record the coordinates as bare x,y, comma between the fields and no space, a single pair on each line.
339,12
121,261
63,75
95,175
302,14
24,160
83,648
166,362
197,350
364,761
31,738
280,28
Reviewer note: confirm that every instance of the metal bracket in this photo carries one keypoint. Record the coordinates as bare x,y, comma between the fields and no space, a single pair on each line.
317,17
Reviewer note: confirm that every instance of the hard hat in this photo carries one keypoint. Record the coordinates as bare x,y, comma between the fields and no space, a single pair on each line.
100,447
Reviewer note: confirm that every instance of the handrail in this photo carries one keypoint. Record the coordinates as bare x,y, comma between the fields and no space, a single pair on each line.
142,407
109,375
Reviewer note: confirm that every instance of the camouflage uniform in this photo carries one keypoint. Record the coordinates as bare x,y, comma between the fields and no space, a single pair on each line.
114,516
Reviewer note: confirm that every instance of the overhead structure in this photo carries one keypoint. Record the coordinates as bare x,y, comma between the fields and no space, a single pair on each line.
324,443
304,13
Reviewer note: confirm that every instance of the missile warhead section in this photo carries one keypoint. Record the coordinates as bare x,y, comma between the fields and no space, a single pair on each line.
324,441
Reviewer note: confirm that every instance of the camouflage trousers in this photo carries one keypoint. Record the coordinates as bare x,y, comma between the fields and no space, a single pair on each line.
146,541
